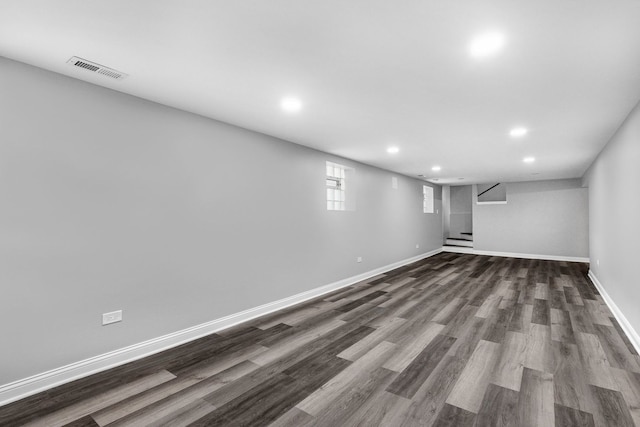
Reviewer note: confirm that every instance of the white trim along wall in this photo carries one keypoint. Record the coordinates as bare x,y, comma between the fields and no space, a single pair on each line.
514,254
37,383
617,313
23,388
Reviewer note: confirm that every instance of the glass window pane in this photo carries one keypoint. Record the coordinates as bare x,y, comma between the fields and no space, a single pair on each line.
335,183
427,204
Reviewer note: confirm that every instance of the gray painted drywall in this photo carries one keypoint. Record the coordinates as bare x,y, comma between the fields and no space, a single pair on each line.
460,213
446,211
111,202
540,218
460,199
614,210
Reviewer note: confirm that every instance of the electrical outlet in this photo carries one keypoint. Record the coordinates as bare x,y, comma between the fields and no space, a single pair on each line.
417,245
598,262
359,259
112,317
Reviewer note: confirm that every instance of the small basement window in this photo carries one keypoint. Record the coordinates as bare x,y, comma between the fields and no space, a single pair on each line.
427,199
338,187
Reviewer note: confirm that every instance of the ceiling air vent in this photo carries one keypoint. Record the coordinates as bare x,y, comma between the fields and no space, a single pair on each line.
96,68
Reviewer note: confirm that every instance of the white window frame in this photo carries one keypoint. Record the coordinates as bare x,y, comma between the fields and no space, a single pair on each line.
340,187
336,187
428,202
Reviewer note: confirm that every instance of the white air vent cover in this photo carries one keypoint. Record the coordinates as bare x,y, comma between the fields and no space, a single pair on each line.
96,68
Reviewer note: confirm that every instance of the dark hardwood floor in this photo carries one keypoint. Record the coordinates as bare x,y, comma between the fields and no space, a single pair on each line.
452,340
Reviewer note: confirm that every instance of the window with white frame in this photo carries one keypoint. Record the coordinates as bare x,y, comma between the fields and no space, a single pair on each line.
427,199
336,187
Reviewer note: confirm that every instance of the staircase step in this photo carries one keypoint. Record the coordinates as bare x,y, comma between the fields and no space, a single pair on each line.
459,242
468,239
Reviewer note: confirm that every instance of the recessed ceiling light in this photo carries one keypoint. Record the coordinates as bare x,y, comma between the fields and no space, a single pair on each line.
529,159
291,105
436,168
518,132
392,150
486,44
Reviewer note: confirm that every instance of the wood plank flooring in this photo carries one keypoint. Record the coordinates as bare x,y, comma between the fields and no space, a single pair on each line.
452,340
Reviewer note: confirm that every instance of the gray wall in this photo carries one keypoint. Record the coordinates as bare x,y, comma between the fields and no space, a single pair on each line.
614,213
460,216
540,218
111,202
446,211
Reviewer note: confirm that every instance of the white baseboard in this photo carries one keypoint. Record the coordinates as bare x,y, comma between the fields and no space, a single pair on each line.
28,386
622,320
515,254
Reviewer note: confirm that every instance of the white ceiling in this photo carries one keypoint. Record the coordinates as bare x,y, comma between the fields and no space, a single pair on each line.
370,73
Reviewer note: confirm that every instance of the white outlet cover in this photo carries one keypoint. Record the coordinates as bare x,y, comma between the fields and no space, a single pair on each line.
359,259
111,317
